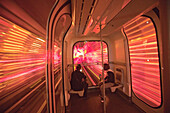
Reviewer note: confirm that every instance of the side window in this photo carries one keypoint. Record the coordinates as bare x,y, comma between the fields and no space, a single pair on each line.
22,69
144,59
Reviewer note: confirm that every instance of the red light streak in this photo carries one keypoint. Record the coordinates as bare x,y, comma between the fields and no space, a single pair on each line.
22,59
144,95
26,62
19,75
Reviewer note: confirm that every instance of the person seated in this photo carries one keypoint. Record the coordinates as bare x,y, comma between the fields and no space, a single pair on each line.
78,81
109,80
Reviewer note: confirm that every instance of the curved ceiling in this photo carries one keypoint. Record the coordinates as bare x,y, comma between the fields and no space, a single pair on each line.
86,14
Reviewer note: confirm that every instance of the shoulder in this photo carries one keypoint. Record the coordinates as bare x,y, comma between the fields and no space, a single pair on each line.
73,73
81,73
109,70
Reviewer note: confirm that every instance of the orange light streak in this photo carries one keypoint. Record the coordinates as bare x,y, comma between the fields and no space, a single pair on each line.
143,49
140,29
22,30
141,58
145,44
20,67
12,45
146,53
126,27
142,38
17,34
12,48
145,63
26,62
14,51
12,42
137,25
17,38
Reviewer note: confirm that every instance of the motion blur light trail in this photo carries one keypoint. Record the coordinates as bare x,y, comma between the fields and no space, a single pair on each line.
22,60
144,58
88,53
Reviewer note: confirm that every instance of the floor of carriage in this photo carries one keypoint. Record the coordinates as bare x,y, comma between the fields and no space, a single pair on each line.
115,103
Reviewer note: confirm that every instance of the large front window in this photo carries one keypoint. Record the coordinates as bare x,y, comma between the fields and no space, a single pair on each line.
89,52
89,55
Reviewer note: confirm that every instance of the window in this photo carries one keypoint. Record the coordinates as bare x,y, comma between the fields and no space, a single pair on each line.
22,71
144,59
88,54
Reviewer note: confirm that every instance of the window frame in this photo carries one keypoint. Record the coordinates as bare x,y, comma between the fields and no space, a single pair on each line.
89,41
159,60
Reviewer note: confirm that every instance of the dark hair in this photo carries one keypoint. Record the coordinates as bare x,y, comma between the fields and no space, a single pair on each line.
78,67
106,66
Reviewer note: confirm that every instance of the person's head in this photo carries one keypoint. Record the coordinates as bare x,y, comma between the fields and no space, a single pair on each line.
78,67
106,66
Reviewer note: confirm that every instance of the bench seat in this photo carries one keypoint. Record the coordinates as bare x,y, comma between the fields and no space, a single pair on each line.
113,88
80,93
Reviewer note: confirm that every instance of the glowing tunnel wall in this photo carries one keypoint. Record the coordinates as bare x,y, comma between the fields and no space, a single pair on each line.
22,67
144,59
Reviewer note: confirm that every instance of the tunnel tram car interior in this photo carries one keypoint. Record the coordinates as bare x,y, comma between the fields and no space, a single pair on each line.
42,42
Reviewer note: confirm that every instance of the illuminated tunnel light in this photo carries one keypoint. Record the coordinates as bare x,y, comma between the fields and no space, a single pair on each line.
144,60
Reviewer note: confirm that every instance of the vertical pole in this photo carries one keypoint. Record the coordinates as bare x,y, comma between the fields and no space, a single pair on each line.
104,105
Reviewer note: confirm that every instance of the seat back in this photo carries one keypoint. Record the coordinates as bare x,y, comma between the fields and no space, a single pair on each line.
119,76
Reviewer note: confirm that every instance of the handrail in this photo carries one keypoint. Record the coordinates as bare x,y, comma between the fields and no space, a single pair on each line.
96,63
